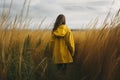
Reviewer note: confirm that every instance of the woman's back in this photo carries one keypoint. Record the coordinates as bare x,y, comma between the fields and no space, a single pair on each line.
61,43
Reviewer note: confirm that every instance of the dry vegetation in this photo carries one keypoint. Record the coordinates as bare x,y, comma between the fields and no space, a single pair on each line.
24,54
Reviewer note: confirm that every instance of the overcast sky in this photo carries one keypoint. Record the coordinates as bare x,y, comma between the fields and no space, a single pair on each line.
78,12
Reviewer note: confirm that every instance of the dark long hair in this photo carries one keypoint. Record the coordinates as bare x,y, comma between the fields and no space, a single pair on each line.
59,21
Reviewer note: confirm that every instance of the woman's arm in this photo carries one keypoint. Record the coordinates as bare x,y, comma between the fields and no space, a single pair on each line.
70,43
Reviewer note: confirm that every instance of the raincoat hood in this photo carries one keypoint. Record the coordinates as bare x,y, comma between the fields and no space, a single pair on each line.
61,31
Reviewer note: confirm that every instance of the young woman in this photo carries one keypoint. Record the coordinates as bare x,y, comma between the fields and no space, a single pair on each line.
62,43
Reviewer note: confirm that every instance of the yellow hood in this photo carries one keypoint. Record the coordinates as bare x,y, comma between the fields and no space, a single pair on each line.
61,31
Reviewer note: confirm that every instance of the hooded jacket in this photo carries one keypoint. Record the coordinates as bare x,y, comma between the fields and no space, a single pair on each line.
62,45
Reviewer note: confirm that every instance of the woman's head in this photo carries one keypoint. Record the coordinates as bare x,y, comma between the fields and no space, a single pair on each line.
59,21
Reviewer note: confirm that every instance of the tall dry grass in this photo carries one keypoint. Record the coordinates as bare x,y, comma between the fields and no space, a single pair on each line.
21,49
24,54
98,54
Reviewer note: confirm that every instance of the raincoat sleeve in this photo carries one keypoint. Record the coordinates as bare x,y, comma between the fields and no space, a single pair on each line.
70,43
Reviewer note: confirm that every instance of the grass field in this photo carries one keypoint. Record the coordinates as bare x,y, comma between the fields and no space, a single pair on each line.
24,54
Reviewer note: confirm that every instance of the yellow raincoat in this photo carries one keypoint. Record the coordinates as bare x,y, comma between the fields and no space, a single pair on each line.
62,45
